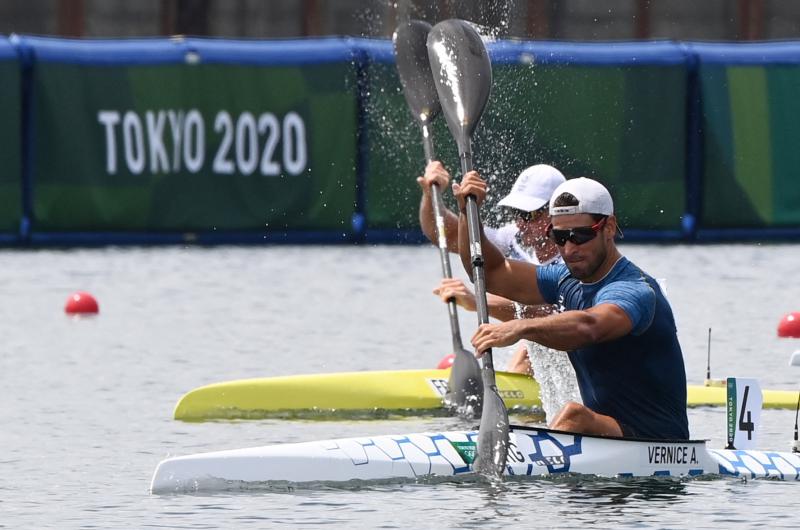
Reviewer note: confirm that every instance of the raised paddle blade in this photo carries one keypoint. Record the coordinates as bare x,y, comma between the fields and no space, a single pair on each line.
462,74
413,66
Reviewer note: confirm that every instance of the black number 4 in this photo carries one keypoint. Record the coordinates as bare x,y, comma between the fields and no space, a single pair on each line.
746,426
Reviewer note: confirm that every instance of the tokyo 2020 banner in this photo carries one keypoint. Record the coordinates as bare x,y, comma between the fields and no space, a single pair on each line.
195,136
158,136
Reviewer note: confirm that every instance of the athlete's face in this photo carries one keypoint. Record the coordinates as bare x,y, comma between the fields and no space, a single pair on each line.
583,259
533,226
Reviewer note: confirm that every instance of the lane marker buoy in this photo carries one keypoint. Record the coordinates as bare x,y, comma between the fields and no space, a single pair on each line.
789,326
446,362
81,303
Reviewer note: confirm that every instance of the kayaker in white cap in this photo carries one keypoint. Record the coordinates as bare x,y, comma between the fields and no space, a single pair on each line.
525,238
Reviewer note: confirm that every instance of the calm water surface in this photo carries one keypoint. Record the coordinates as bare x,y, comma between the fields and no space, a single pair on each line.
87,405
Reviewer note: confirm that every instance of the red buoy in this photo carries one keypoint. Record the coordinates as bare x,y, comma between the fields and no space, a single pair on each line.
789,326
446,362
81,303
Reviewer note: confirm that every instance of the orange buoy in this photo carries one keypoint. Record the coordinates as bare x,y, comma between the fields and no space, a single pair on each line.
789,326
446,362
81,303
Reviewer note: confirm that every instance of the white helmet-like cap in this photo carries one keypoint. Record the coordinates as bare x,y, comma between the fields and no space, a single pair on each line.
533,188
593,198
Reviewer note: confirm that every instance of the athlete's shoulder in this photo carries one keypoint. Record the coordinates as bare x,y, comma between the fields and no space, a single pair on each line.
626,270
630,290
556,272
550,280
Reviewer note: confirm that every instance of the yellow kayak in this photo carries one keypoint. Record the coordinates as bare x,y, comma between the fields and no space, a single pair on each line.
369,392
714,396
376,394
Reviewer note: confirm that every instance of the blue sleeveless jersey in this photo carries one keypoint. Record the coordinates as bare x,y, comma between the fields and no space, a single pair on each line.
639,379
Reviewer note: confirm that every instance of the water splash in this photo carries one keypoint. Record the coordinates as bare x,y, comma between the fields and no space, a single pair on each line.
467,411
507,140
556,378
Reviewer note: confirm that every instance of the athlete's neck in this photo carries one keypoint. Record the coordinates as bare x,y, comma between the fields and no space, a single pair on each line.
602,271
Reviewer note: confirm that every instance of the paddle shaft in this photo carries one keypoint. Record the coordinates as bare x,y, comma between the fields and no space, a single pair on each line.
493,437
444,255
476,257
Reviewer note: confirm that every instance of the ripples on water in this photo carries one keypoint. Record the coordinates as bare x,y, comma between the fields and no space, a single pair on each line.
87,407
542,503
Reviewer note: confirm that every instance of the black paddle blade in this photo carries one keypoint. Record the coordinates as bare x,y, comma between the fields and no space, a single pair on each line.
465,387
493,433
411,57
462,74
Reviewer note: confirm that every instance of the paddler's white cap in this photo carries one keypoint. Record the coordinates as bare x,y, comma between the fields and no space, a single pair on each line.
592,197
533,188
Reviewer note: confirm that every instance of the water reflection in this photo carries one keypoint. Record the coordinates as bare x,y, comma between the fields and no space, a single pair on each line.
611,493
573,494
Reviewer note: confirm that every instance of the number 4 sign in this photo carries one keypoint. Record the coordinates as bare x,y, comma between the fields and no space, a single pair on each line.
743,412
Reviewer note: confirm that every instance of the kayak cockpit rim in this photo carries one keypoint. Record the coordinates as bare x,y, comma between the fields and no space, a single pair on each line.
605,437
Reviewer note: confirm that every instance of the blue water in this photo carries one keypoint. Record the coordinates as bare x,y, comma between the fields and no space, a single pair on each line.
87,405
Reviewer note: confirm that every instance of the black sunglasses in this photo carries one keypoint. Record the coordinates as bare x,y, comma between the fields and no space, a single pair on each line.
522,215
578,235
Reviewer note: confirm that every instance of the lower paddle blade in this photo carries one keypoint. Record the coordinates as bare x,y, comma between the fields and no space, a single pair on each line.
493,433
465,387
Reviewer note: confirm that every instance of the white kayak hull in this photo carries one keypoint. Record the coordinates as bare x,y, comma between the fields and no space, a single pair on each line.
534,452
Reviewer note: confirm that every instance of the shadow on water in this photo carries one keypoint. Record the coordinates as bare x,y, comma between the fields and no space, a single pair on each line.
593,500
621,491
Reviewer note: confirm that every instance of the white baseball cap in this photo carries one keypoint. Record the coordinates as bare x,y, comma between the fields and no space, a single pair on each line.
533,188
592,197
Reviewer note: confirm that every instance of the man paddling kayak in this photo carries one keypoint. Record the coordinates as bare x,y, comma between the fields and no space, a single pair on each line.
616,325
523,239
